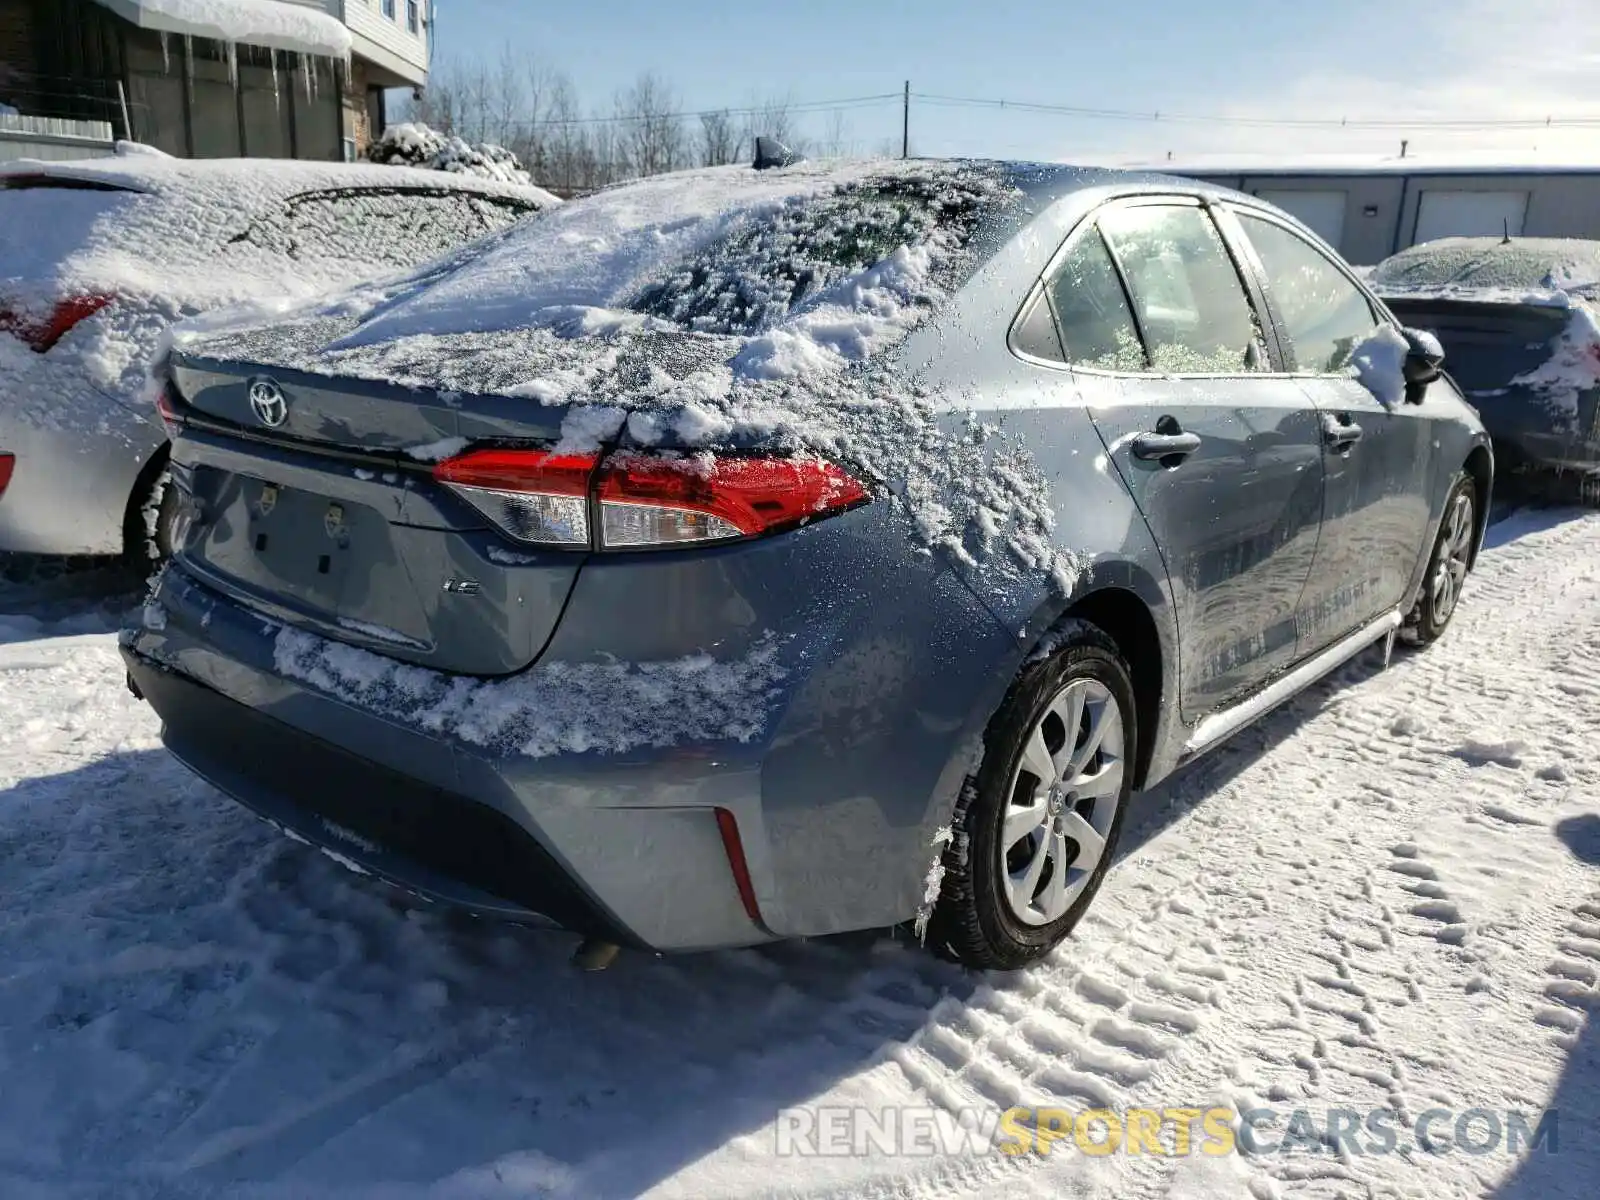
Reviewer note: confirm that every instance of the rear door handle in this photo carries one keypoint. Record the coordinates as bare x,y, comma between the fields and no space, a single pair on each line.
1176,446
1340,435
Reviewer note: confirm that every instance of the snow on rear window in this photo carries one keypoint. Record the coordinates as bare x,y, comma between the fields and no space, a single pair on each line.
771,265
378,228
1522,265
40,226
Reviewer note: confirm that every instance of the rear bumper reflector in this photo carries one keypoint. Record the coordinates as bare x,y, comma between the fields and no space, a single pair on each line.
729,829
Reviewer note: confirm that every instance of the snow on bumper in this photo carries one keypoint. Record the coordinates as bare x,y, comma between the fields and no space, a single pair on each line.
624,846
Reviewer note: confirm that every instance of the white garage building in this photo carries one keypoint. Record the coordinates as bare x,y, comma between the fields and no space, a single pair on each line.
1372,207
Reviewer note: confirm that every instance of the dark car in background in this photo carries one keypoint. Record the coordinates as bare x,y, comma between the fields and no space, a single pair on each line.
751,554
1519,320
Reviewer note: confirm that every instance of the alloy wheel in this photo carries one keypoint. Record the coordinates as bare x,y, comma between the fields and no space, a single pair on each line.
1062,801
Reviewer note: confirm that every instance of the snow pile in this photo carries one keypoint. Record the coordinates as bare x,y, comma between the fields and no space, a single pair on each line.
848,323
1572,368
716,308
1379,363
272,23
1541,271
416,145
556,707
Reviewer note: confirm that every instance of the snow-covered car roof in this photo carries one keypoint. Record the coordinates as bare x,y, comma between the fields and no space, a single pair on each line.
167,239
1543,271
192,235
253,180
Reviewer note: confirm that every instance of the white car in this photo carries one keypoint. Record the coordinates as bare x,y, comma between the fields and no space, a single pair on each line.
100,257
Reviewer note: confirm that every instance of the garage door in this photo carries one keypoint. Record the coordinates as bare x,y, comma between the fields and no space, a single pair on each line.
1443,214
1323,211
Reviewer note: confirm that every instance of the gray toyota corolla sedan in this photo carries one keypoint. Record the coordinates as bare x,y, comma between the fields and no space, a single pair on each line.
751,554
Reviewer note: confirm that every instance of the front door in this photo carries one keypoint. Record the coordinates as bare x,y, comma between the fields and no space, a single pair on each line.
1377,453
1222,457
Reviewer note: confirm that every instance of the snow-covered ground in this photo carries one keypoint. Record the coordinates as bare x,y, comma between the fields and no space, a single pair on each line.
1386,896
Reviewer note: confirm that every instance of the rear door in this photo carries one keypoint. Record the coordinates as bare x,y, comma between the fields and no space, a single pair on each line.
1377,460
1221,455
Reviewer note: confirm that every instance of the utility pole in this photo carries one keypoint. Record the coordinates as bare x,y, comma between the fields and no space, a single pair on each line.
905,127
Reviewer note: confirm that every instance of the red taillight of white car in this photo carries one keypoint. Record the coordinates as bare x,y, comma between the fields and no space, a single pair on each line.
645,501
8,464
40,333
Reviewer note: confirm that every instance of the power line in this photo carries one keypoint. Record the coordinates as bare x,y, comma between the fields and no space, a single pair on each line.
1118,114
803,108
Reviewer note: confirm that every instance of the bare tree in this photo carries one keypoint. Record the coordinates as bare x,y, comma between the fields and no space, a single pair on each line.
774,117
651,134
720,141
836,141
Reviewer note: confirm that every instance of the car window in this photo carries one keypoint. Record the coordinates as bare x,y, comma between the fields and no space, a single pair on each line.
1191,306
1035,333
382,228
773,263
1091,309
1324,313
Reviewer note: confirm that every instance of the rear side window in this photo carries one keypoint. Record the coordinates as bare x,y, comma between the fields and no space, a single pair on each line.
45,222
1186,293
368,228
1324,313
1092,311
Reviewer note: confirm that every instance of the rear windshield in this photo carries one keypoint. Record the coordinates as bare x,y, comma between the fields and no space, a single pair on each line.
42,222
770,265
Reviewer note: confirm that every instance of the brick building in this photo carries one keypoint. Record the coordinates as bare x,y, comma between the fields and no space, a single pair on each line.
202,79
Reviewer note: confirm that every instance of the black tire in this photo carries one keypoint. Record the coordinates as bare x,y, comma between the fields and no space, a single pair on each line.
974,922
1431,615
147,527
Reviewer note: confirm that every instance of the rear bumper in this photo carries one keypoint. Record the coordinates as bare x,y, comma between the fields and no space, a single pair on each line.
834,724
438,845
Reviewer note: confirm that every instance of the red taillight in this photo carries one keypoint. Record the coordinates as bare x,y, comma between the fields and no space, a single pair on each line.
645,500
39,334
649,501
167,407
535,497
8,464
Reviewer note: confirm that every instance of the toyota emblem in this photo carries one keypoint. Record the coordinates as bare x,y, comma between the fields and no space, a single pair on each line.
268,403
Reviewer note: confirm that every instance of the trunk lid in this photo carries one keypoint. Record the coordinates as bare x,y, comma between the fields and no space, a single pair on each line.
331,520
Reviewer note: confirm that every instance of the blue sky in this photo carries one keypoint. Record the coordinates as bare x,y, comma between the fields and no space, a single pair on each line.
1244,59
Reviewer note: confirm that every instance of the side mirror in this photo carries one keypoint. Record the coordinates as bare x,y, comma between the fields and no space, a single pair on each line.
1424,362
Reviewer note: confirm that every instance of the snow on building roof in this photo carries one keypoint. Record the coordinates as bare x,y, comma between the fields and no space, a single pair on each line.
272,23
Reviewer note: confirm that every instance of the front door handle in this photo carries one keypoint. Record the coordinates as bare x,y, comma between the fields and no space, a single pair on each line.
1340,434
1166,446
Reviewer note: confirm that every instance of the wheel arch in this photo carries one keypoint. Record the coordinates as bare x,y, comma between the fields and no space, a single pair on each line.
1480,465
1122,609
133,513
